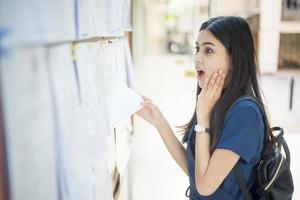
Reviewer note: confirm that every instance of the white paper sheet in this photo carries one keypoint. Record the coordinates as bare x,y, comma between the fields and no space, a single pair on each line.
126,15
29,126
121,101
123,141
99,18
37,22
120,60
106,62
113,21
76,171
111,152
93,103
130,75
115,101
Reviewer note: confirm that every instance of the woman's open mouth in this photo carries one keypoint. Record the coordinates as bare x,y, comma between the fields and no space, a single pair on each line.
200,74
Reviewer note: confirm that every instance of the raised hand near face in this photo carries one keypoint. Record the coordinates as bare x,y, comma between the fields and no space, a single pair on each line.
208,97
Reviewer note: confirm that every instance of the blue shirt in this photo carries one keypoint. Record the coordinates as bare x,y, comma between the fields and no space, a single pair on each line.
243,133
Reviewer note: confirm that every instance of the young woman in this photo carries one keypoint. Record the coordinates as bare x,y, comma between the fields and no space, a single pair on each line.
222,131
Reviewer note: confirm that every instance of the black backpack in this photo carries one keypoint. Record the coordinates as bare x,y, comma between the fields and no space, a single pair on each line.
274,179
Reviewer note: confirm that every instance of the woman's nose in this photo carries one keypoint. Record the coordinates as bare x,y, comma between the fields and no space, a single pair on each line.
198,59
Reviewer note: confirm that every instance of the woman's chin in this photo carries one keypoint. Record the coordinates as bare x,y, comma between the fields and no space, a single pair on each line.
200,83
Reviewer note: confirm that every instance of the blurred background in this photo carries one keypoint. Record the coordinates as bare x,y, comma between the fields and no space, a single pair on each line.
71,72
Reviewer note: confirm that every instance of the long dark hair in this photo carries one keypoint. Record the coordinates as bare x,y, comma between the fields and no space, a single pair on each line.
235,34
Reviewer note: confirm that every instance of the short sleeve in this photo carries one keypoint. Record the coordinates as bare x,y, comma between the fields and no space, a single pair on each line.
242,131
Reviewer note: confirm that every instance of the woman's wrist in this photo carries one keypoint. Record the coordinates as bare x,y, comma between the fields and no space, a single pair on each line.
204,123
163,123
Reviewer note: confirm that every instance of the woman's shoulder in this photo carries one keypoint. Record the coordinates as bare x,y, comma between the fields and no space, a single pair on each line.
245,107
246,104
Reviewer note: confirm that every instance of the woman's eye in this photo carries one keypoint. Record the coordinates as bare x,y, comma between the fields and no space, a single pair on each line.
208,50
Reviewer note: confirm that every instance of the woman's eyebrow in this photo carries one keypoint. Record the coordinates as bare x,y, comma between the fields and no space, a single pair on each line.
205,43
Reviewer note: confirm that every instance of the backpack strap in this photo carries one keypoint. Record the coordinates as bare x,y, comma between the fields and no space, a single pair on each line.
246,97
282,141
241,182
236,169
187,192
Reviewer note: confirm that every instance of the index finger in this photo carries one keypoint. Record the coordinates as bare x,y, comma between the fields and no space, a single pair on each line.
205,85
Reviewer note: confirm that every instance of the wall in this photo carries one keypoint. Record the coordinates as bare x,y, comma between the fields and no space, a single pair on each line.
66,83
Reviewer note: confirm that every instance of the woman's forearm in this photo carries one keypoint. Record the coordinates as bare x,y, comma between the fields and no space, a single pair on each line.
202,155
173,145
202,158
